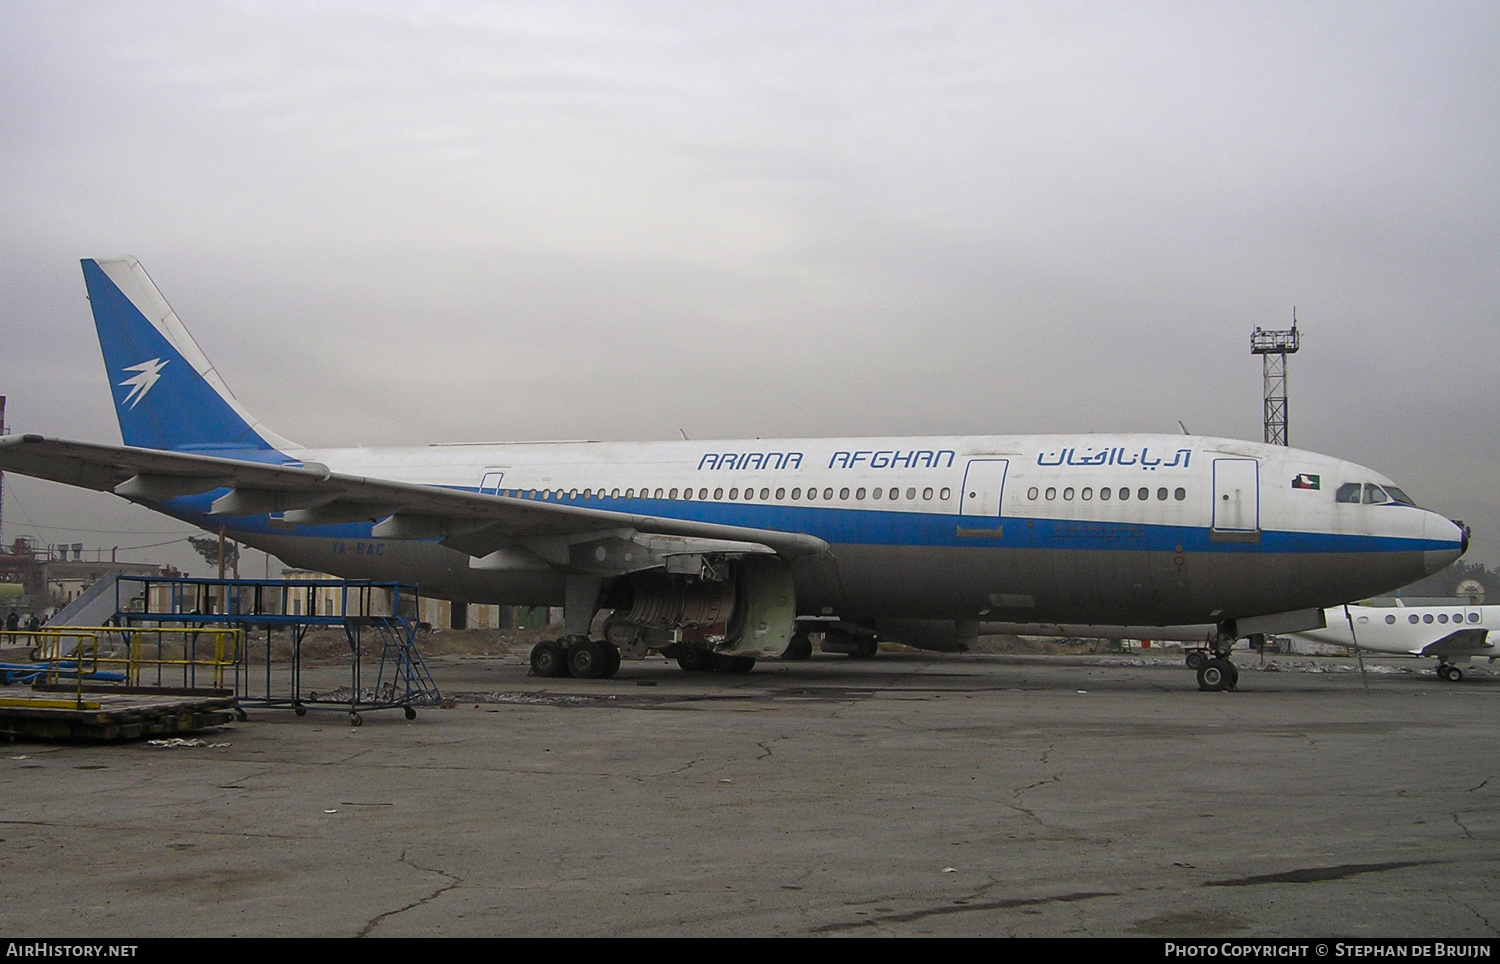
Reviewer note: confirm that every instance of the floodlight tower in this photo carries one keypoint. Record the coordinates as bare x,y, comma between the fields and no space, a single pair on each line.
1273,347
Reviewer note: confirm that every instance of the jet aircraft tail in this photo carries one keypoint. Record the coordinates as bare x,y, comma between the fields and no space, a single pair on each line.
167,394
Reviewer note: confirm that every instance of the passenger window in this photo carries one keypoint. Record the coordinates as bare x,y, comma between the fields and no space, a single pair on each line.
749,494
1143,494
1473,617
1104,495
1032,493
1412,619
1051,494
911,494
658,493
796,494
1180,494
702,493
827,494
859,495
895,494
927,494
1086,494
1442,617
1427,618
1161,495
734,493
765,494
614,494
630,493
843,495
1068,494
672,494
687,494
812,494
780,494
1390,620
1348,492
877,493
946,494
1124,494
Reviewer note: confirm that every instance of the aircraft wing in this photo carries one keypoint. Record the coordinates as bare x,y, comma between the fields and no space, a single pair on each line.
501,532
1462,642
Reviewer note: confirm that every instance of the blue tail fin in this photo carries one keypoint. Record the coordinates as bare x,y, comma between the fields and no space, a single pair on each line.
167,394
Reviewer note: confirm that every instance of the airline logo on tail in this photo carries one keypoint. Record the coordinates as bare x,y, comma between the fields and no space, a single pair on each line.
139,384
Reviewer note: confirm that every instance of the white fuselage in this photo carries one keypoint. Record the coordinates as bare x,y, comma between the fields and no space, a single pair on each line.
1132,528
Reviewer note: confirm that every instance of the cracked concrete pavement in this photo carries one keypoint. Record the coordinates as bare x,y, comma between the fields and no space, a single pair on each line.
905,795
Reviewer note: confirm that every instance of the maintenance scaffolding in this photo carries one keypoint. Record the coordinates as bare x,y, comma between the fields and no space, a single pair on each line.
380,614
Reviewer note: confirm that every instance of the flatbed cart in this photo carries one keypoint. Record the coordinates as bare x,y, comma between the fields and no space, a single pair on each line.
377,620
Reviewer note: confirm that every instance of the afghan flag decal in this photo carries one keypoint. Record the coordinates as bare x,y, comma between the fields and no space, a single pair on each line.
1305,481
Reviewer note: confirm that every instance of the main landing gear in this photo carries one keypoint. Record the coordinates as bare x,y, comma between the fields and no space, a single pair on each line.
1215,671
1450,672
576,656
1217,674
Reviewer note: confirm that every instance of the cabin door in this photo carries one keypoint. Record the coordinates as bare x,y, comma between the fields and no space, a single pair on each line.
1236,495
984,483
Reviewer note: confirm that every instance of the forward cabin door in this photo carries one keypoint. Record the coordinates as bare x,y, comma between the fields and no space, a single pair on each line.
1237,497
984,484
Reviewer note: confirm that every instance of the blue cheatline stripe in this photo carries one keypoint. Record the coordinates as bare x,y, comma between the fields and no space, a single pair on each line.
872,527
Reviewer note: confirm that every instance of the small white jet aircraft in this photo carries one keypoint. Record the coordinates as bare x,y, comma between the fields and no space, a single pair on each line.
719,552
1452,633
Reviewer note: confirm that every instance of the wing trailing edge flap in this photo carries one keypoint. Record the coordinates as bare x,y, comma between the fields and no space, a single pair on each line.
617,552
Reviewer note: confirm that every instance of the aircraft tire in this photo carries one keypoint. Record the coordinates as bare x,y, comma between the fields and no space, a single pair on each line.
733,664
1450,672
865,649
1213,677
799,648
1196,658
694,660
1234,675
587,659
549,660
611,660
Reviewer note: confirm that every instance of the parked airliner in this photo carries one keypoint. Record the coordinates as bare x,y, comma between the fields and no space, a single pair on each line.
719,552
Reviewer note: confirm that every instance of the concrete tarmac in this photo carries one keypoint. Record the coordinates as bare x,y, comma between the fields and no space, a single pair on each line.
905,795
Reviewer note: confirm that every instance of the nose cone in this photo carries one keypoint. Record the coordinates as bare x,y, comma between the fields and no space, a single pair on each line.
1446,541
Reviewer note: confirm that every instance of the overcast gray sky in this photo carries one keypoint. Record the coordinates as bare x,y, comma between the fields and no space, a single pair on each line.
411,222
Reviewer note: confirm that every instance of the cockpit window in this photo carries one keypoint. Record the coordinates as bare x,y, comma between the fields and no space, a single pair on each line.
1371,494
1398,496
